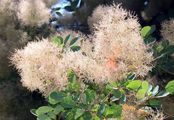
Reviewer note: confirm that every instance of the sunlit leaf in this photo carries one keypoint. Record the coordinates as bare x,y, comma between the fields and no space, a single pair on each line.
170,87
141,94
57,40
113,111
147,30
134,85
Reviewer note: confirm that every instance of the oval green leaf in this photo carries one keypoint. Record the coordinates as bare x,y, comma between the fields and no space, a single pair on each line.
134,85
170,87
43,110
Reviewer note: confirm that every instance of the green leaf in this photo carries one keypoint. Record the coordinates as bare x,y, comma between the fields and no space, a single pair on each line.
147,30
143,90
86,116
145,85
57,40
95,108
43,110
70,114
141,94
159,48
134,85
117,95
154,103
109,87
68,102
33,111
149,40
113,111
58,109
170,87
52,115
79,113
90,95
95,117
73,41
74,87
71,76
101,110
75,48
122,99
43,117
66,39
55,97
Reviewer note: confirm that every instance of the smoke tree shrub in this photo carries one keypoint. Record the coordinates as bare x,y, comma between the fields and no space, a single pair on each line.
96,85
117,49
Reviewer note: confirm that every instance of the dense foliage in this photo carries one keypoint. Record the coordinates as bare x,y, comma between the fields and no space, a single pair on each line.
87,101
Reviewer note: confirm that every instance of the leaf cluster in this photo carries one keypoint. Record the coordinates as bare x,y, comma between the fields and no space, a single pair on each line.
88,101
68,43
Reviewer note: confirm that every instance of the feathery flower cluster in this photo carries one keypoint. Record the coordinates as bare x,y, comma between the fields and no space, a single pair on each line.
167,30
118,43
97,16
116,49
33,12
8,5
43,66
37,63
